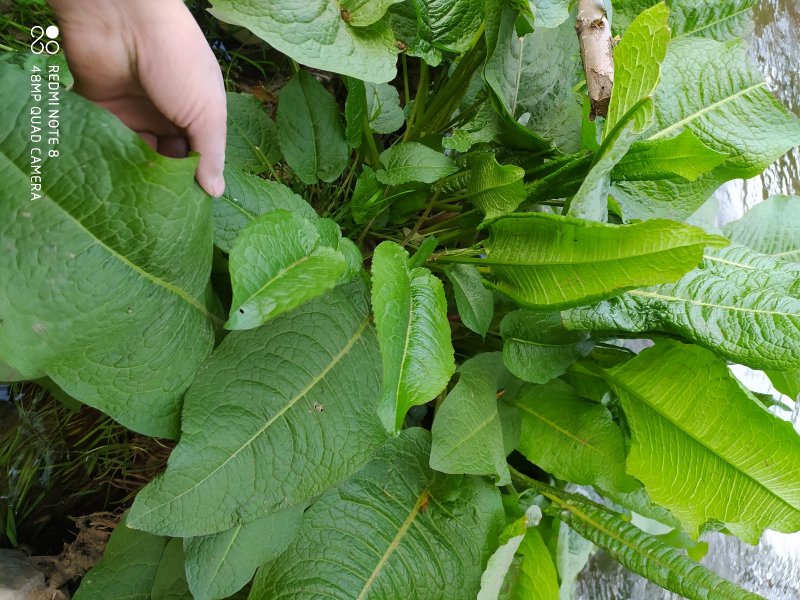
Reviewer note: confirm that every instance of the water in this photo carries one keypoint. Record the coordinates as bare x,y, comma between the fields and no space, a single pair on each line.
772,568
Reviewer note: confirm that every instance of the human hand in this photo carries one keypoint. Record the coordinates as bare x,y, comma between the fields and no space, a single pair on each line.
148,63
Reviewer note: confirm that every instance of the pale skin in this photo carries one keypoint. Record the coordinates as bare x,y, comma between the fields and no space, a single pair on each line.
147,62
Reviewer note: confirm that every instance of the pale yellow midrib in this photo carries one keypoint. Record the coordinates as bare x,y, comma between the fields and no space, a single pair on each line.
301,394
771,313
707,109
401,532
180,292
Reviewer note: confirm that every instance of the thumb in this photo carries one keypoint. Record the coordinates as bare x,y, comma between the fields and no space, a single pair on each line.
206,135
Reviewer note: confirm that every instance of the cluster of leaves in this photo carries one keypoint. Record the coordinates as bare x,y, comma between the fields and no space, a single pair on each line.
350,434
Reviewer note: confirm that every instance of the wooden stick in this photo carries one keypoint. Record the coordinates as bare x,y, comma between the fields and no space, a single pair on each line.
594,34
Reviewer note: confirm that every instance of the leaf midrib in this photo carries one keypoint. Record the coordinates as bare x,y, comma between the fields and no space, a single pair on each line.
642,400
707,109
712,23
401,532
292,401
488,260
170,287
667,298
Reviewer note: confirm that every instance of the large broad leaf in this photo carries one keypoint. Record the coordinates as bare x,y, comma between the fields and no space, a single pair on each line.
474,302
739,303
316,34
138,566
252,143
712,89
467,432
642,553
549,13
572,438
246,197
532,79
548,261
280,412
496,189
220,564
450,25
360,13
771,227
716,19
703,446
277,263
637,67
412,161
310,130
105,270
413,331
537,347
394,530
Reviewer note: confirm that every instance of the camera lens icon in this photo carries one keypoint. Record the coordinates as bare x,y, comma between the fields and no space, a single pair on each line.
51,32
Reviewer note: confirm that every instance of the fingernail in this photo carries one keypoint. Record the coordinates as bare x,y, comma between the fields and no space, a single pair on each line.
217,187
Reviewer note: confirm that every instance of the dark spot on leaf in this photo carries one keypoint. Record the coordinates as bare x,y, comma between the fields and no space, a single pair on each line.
347,17
241,311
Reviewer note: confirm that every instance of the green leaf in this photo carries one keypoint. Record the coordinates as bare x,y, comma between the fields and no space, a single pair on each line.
360,13
532,79
390,532
170,580
413,331
450,25
683,156
672,198
310,130
493,580
703,446
538,579
637,66
316,34
572,438
246,197
739,303
771,227
545,261
467,431
786,382
481,128
717,19
105,269
282,412
411,161
252,143
474,302
220,564
355,111
644,554
383,108
537,347
712,89
277,263
495,189
549,13
135,564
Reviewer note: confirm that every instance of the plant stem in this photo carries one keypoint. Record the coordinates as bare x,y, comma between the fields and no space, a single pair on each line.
419,100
